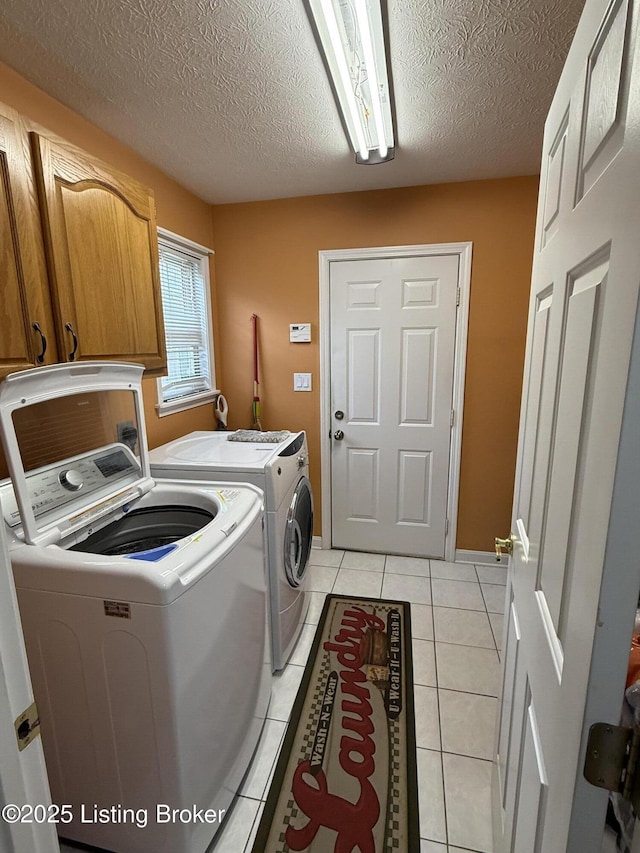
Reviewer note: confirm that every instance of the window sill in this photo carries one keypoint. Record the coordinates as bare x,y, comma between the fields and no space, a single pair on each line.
184,403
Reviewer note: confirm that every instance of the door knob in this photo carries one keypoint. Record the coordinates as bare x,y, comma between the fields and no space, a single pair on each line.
505,545
338,435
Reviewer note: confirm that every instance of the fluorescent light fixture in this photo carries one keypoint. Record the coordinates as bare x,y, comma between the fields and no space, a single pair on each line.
351,35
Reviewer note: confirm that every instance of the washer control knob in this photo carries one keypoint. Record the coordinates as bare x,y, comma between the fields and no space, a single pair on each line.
71,479
302,460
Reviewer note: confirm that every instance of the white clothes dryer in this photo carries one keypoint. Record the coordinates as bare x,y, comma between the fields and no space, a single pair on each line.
144,610
281,469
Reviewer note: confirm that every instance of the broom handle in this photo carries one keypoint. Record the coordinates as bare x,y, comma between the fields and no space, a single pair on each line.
254,319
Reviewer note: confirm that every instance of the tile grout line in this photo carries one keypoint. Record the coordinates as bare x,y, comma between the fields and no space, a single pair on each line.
435,664
488,617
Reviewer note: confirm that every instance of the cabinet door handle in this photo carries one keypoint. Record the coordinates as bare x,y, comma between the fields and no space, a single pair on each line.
43,342
72,354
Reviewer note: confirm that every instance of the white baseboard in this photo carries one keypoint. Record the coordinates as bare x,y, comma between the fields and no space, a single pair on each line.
482,558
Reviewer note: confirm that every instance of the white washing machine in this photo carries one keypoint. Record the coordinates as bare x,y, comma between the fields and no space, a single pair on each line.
144,609
281,469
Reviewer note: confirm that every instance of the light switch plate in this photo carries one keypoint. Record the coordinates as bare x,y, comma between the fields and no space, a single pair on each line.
302,382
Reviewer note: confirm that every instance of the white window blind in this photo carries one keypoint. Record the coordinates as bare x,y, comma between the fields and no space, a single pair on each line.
184,282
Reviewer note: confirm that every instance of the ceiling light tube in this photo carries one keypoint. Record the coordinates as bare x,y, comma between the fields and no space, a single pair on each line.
350,34
370,62
337,46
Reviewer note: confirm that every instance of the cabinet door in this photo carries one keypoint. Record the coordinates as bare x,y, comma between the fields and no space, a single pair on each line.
102,254
24,291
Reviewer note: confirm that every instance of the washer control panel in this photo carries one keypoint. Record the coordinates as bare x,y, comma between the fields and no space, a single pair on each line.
55,485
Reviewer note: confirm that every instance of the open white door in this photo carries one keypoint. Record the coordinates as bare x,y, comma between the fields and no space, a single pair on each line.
582,314
23,779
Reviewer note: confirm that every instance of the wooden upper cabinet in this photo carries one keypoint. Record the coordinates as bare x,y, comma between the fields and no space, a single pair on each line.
25,311
101,244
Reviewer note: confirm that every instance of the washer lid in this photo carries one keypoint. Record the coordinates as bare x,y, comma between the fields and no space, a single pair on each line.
75,442
214,450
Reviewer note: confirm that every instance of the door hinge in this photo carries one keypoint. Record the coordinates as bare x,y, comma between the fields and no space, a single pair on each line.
611,761
457,297
27,726
452,417
446,526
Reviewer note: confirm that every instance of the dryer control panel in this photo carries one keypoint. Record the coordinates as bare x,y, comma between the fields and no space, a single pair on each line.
85,477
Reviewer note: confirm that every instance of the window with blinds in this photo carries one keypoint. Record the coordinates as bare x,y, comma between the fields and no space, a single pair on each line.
184,280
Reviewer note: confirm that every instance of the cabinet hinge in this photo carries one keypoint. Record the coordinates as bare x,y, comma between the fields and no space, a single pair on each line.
457,297
452,417
27,726
611,761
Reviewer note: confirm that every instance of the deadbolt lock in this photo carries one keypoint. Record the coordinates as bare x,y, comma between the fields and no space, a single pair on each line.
504,545
339,415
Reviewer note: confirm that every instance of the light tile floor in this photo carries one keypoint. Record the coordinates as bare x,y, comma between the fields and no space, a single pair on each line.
457,630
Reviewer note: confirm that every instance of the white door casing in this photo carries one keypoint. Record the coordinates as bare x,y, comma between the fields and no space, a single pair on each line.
392,337
584,295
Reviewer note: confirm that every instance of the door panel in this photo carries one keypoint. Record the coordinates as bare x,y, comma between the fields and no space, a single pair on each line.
584,296
510,723
555,175
604,115
419,347
393,326
535,391
363,483
363,367
578,333
533,787
414,487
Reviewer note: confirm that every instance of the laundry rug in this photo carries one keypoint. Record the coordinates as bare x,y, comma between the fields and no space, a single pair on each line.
345,781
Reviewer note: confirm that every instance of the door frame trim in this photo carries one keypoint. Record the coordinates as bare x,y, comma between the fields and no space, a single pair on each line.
325,258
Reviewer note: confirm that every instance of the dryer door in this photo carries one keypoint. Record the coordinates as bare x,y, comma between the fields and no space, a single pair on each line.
298,532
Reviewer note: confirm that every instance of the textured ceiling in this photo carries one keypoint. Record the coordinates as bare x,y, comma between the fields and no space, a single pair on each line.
230,97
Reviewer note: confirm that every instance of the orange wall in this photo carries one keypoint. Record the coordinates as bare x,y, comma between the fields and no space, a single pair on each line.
267,263
177,209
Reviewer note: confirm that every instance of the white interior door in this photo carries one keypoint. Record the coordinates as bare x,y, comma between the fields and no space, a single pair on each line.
393,329
581,325
23,779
